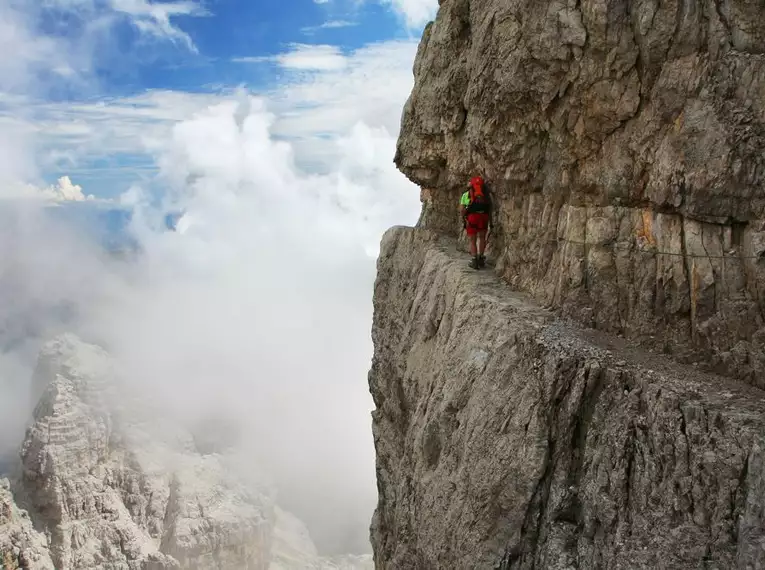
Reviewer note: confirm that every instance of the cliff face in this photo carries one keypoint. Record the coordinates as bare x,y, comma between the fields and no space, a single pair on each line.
106,483
625,143
506,439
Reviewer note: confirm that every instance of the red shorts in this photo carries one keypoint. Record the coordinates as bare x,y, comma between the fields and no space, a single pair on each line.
477,223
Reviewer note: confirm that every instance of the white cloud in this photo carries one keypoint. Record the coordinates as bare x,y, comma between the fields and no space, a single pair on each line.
416,13
311,108
329,25
68,57
64,190
313,58
24,51
370,89
260,307
17,163
304,57
154,19
332,24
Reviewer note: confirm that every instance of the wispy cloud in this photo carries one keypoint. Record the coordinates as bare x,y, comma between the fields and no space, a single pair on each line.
321,97
69,136
416,13
304,57
259,306
371,89
94,22
313,58
328,25
337,24
271,334
154,19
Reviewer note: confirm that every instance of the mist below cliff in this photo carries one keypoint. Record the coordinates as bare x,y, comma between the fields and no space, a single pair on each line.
256,309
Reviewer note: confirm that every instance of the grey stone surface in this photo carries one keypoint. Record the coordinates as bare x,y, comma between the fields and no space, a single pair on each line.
508,439
636,127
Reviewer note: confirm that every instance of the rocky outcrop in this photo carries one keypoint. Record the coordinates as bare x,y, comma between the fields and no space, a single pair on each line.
109,485
508,439
21,545
111,488
625,144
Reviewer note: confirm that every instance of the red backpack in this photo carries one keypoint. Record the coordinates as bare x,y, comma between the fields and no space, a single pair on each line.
478,201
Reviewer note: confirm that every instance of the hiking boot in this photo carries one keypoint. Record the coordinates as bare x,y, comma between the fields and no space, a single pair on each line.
481,261
475,263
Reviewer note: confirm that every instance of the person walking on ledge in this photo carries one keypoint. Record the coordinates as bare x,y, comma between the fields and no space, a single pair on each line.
475,209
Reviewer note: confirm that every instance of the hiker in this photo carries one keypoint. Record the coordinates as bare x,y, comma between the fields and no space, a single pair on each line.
475,209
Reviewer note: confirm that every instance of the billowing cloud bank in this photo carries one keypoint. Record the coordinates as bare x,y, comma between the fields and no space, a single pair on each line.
258,307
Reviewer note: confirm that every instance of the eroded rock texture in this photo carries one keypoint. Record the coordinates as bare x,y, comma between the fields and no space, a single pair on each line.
21,545
625,142
506,439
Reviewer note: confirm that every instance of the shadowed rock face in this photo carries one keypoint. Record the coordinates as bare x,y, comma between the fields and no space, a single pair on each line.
625,143
506,439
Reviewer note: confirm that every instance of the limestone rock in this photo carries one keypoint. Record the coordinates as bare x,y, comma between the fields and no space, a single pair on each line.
508,439
21,545
116,489
625,144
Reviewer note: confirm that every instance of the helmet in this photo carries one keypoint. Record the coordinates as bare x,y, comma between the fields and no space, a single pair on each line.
476,183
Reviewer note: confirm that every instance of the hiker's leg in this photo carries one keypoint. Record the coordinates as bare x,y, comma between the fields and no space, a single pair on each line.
472,231
481,242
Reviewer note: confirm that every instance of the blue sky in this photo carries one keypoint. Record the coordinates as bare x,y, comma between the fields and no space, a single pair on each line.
234,29
101,82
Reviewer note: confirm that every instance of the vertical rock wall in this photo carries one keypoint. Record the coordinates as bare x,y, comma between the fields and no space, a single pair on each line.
625,143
